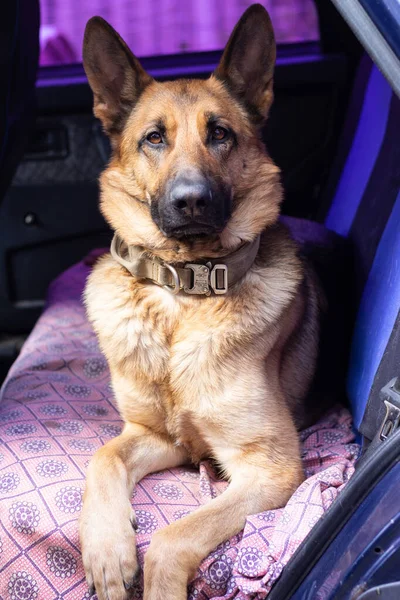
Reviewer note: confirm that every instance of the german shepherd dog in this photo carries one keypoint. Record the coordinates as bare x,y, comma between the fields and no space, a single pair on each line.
208,317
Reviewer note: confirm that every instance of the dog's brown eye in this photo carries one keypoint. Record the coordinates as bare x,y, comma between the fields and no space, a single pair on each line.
219,134
154,138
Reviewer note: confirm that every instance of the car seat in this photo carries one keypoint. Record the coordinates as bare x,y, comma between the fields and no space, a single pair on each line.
352,550
56,410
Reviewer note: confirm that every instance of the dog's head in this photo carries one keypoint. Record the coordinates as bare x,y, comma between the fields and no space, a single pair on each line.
189,175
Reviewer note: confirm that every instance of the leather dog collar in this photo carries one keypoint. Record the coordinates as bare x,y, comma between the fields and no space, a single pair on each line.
205,278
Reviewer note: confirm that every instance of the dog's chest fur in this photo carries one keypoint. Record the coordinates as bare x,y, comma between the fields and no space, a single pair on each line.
166,353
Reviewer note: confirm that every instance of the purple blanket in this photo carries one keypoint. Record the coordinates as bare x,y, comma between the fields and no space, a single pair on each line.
57,408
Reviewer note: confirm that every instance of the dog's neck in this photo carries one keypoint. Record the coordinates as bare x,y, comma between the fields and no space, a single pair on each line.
203,277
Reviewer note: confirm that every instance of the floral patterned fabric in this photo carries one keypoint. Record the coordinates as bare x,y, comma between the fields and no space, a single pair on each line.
57,408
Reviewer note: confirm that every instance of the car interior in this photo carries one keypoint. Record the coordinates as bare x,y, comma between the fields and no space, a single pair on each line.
334,132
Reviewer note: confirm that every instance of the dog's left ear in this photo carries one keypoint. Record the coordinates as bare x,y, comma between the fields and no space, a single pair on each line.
115,75
247,64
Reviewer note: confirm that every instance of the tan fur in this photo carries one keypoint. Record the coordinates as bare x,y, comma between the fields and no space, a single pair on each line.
254,178
195,377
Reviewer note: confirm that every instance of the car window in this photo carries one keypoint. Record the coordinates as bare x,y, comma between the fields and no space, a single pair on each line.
156,27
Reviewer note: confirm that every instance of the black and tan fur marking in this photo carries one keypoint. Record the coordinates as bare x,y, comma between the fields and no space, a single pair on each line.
223,377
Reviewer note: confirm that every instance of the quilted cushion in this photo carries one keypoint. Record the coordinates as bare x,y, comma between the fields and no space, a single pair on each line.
57,408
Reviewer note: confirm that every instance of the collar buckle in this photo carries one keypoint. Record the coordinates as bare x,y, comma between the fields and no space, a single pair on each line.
201,280
205,277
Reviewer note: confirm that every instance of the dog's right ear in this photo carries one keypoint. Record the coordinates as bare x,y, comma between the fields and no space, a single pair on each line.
115,75
247,64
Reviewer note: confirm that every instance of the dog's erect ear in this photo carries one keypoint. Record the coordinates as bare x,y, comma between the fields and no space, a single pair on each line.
114,74
247,64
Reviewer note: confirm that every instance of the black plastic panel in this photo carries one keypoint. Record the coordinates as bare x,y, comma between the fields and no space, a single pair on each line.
66,226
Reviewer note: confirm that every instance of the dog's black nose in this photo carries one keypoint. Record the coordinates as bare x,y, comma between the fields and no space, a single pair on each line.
192,205
191,197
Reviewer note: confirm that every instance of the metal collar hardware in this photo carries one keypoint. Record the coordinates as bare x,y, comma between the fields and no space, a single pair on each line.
176,284
206,277
210,277
390,423
391,398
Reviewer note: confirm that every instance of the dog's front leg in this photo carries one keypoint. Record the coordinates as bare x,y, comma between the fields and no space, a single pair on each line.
261,479
107,521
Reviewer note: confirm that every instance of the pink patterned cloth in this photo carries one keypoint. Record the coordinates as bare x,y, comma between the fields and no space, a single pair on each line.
57,409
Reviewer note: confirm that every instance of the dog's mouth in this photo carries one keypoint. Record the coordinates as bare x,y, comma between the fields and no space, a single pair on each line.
186,228
192,231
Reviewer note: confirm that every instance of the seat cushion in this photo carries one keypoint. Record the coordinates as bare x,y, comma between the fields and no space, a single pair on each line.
57,408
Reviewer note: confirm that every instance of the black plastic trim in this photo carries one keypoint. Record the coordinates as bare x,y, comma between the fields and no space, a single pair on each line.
164,65
293,67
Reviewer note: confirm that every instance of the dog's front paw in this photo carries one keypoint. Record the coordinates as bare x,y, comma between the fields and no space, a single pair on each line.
166,568
108,549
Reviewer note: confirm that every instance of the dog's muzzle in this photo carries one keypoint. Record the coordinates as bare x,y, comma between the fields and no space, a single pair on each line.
192,205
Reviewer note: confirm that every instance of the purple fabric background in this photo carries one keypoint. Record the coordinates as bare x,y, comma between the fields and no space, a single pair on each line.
153,27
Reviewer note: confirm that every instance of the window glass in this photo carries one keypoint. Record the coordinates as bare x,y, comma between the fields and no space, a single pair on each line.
154,27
